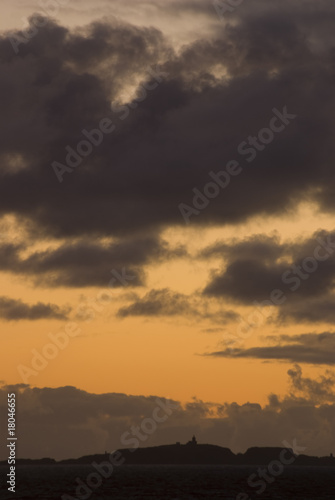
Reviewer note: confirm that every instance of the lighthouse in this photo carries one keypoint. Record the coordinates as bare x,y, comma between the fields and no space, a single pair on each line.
193,442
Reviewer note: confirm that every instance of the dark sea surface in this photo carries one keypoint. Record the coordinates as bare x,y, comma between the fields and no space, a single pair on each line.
168,482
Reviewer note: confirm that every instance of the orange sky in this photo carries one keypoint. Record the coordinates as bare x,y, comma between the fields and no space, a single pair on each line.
144,356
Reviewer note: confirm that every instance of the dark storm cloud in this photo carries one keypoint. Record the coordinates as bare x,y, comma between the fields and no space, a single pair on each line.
258,265
263,247
67,422
316,310
245,281
89,264
316,349
61,82
165,302
16,310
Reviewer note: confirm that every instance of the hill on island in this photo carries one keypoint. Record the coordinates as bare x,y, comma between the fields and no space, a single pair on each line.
192,453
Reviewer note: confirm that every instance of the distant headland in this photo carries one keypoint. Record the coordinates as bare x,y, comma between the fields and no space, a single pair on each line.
193,453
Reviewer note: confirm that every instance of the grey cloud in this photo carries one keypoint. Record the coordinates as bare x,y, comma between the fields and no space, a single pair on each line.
86,263
165,302
245,281
314,310
157,303
16,310
307,389
65,81
265,248
258,265
318,349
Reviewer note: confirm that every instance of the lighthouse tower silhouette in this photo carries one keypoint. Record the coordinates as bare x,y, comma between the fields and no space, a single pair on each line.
193,442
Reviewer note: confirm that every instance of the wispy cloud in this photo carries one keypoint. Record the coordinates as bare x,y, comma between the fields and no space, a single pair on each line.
310,348
16,310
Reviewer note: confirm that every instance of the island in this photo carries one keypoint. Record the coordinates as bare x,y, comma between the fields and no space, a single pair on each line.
193,453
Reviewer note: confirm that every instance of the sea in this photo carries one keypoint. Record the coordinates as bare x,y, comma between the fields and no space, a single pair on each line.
168,482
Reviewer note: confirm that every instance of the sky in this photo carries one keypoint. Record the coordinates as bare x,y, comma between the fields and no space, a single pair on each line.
167,222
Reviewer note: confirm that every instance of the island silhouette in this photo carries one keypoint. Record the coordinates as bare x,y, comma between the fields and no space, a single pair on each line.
193,453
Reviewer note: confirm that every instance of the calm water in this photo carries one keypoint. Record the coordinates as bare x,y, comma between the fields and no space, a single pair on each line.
170,483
